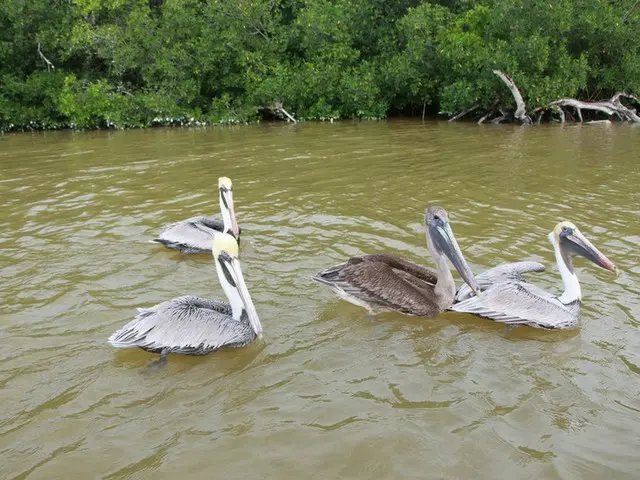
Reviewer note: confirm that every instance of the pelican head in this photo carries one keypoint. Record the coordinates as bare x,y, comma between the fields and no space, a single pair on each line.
225,253
572,242
226,206
441,237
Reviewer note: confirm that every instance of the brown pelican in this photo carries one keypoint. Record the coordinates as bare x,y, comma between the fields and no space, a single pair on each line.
197,326
386,282
194,234
507,297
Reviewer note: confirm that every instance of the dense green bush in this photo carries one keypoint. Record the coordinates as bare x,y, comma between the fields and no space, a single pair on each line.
135,63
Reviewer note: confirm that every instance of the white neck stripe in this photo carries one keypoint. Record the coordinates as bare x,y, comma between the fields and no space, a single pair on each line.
572,291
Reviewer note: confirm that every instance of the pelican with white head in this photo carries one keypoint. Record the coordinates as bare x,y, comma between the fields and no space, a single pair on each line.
192,325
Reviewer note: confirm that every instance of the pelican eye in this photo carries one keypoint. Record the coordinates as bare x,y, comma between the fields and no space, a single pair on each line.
566,231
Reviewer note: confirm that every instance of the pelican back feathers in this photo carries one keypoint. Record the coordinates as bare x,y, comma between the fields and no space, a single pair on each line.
502,273
192,235
520,303
186,325
384,282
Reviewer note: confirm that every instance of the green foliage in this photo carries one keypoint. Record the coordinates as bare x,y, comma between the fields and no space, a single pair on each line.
134,63
226,110
33,102
98,104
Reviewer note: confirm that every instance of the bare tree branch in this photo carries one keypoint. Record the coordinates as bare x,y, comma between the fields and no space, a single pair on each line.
521,112
610,107
464,112
616,97
484,117
281,109
503,116
49,64
537,114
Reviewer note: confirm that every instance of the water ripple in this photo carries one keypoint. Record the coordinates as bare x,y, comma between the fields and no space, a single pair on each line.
328,389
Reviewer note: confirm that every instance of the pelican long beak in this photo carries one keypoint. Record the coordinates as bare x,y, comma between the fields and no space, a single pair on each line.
237,282
577,244
446,242
228,212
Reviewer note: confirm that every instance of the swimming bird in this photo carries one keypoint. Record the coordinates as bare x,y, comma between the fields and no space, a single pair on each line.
508,298
384,282
194,235
197,326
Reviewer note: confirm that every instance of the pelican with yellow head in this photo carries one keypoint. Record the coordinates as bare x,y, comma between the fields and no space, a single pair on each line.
507,297
197,326
194,234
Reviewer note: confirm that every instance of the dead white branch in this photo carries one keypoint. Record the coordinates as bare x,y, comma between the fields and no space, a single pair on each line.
49,64
284,112
629,113
504,115
537,114
616,97
465,112
610,107
521,111
484,117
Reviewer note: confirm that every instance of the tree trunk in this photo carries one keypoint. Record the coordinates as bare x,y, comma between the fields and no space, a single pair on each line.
521,111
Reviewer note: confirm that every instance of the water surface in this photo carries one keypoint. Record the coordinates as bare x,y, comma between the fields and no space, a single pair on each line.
330,392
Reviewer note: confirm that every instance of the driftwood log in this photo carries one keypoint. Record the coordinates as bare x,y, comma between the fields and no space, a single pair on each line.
562,108
610,107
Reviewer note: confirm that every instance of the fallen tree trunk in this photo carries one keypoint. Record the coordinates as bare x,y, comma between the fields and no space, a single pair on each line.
564,108
610,107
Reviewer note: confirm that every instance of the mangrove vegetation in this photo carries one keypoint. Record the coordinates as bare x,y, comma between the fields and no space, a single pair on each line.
136,63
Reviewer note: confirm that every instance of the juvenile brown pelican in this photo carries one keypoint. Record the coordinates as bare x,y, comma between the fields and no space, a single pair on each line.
197,326
194,235
386,282
507,297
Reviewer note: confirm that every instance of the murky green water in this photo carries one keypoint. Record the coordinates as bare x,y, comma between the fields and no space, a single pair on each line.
330,392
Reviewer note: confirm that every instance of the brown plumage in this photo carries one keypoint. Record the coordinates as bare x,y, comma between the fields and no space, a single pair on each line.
384,282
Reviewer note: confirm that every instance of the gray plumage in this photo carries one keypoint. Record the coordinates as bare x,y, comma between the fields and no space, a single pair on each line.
193,235
502,273
511,300
185,325
507,297
384,282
